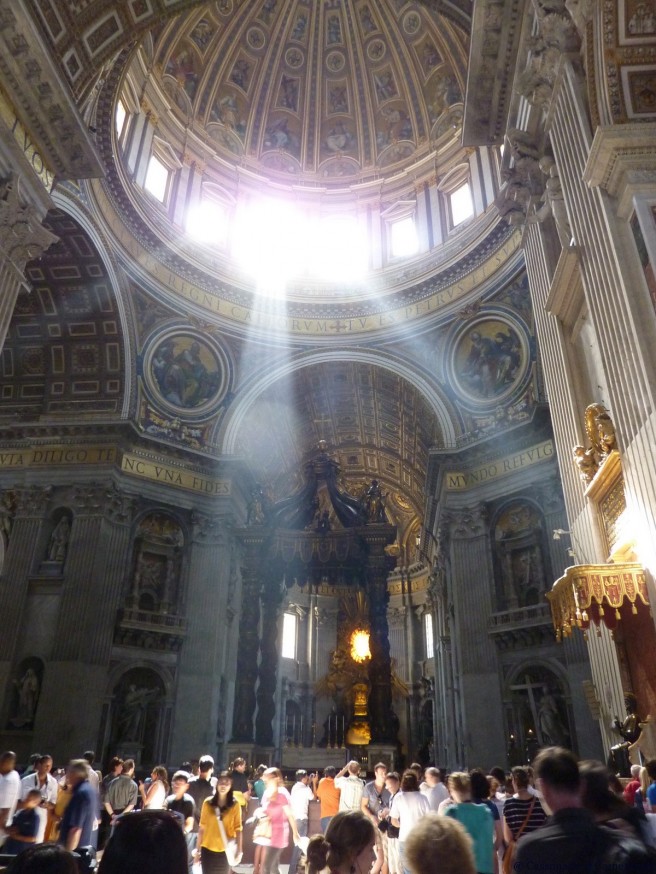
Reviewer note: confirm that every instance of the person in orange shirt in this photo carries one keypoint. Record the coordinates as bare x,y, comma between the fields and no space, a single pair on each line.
328,794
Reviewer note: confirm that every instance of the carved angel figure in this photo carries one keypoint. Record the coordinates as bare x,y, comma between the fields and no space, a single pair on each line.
586,462
600,430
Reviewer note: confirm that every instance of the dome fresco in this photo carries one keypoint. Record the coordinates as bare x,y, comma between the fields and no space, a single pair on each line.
323,92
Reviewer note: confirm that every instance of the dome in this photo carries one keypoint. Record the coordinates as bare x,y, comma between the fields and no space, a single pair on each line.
325,93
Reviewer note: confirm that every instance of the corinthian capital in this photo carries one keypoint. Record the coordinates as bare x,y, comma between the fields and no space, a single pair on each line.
32,501
206,527
22,236
120,507
468,522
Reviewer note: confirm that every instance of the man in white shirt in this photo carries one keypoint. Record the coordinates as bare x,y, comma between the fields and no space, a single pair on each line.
301,795
433,788
351,787
42,780
9,790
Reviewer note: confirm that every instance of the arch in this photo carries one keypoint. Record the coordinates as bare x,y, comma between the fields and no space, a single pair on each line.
537,705
157,563
139,714
521,561
250,393
73,207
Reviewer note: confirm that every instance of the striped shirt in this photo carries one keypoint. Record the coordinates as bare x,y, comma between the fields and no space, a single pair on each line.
515,811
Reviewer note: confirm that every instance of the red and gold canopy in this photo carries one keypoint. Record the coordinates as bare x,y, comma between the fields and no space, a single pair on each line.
594,593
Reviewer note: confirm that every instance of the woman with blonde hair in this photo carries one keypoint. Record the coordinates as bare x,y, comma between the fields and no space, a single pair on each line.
153,798
476,818
439,845
346,848
276,804
640,796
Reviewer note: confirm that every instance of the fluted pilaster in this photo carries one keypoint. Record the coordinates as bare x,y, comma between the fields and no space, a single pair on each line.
475,656
208,624
30,507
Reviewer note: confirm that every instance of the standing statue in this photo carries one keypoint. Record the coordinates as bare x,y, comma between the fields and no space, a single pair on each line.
374,503
629,731
132,714
600,430
257,506
28,694
551,728
554,199
58,545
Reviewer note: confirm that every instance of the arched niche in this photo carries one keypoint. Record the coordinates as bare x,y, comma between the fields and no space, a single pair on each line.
521,559
537,711
155,579
139,716
56,540
24,694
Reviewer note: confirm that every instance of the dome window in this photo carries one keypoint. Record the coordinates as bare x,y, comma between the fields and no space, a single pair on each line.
157,178
120,117
462,205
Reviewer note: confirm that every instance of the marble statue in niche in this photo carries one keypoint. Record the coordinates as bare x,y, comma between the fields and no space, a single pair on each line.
58,544
519,557
538,715
27,688
157,564
137,717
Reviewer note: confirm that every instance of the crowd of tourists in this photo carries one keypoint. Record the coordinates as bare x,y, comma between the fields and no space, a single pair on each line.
557,817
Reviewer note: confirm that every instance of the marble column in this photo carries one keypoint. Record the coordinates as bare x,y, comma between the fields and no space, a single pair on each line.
200,665
271,594
22,238
251,575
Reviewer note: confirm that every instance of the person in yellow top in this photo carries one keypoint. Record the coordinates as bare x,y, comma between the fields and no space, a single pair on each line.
222,804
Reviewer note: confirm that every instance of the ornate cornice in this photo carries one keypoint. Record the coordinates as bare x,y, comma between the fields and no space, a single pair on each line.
31,79
496,29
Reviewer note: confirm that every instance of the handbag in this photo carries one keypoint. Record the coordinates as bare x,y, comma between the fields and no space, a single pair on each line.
511,849
263,829
232,855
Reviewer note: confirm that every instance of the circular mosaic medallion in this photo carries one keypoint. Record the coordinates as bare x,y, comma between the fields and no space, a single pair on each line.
255,38
376,50
186,372
225,7
411,23
335,62
490,358
294,58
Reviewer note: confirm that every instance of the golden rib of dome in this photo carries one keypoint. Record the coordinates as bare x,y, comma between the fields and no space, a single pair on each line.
327,92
